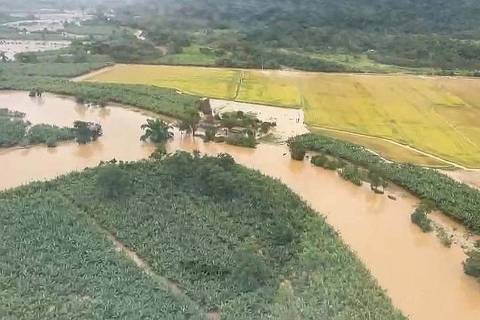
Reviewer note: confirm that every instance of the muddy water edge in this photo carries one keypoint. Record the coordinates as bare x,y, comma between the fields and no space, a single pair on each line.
424,279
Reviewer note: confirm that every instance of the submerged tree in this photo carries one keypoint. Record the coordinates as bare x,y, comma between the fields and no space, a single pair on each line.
160,152
87,131
472,264
297,149
210,133
158,131
190,122
377,181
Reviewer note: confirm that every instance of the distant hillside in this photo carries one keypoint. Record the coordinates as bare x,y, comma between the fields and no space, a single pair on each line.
436,34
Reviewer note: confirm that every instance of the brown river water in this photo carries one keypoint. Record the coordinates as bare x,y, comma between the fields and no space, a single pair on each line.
424,279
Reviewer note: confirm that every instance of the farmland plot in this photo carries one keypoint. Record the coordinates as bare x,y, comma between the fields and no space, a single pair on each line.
437,116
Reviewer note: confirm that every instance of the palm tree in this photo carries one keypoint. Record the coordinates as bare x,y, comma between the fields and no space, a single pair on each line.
157,131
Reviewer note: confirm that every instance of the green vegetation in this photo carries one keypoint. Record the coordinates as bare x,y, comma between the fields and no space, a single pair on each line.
45,133
14,131
434,115
95,29
326,162
351,35
455,199
112,182
445,238
157,131
242,129
420,218
86,132
352,173
210,133
48,69
229,238
192,55
57,264
472,264
376,181
241,140
123,47
190,122
163,101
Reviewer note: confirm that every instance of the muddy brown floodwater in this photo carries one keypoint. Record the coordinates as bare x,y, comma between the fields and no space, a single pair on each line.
12,47
424,279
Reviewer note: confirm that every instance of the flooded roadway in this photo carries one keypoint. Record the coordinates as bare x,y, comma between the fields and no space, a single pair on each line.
424,279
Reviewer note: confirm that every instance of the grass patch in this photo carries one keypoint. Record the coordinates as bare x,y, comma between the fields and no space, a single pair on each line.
420,218
191,55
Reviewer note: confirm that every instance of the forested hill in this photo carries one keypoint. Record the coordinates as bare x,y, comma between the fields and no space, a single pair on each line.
439,34
415,16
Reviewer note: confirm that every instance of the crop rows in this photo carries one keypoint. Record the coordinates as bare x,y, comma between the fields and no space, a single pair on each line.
232,240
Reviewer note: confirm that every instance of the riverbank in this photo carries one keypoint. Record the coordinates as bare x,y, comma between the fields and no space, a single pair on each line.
434,115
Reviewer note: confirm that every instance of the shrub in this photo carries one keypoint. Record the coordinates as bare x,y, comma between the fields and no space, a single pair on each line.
319,160
444,237
242,141
420,218
352,174
51,142
43,133
112,182
326,163
12,131
251,271
86,132
472,264
210,133
297,150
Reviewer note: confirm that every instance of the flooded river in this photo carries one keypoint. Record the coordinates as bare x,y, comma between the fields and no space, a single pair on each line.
424,279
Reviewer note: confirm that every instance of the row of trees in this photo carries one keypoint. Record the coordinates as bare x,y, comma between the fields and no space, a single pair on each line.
455,199
437,190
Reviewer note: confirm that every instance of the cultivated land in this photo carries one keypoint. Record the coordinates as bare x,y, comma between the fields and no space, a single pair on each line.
213,238
437,115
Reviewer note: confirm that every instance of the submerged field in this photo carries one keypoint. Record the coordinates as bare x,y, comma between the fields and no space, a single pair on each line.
225,240
436,115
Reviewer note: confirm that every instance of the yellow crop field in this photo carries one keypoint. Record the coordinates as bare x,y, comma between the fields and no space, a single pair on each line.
269,87
436,115
385,149
217,82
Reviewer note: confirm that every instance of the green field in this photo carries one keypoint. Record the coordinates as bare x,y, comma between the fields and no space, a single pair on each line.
436,115
226,240
189,56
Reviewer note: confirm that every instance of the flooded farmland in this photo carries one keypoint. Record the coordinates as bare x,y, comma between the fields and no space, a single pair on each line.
424,279
12,47
49,20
